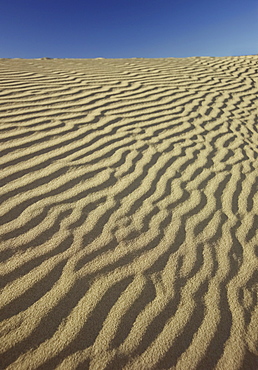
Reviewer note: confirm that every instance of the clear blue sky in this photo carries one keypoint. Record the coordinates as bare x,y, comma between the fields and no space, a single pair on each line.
127,28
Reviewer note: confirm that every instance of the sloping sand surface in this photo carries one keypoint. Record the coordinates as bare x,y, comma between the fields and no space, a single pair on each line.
129,213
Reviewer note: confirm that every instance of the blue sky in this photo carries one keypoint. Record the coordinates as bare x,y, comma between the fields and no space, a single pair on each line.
127,28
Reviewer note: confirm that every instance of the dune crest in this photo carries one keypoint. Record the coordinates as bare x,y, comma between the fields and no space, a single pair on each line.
128,216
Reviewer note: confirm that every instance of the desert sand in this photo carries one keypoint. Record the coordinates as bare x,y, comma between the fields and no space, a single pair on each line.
129,213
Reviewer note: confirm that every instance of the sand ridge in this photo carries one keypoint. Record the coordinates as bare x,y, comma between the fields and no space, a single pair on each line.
128,216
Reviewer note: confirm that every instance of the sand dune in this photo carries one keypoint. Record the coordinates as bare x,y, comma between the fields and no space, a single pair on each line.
129,213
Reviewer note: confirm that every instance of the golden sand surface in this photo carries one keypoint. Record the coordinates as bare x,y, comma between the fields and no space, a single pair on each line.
129,213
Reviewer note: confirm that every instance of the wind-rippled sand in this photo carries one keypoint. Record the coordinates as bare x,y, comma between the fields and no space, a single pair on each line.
129,213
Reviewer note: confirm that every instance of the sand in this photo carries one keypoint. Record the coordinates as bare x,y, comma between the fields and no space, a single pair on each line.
129,213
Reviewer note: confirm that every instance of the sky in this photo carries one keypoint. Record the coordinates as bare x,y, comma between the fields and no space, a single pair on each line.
127,28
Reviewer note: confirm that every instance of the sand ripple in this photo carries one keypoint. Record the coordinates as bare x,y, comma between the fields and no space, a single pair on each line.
128,216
